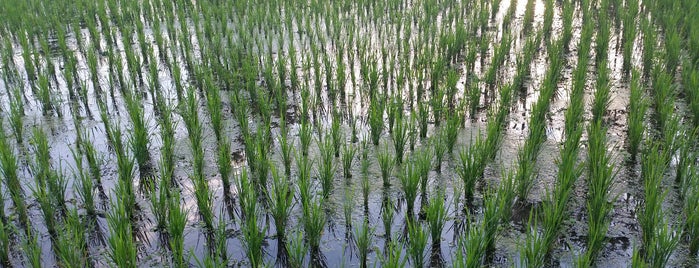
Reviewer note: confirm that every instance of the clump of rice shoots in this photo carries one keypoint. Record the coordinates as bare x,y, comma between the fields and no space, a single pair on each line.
364,239
417,242
280,202
253,234
638,105
177,220
386,164
348,155
9,168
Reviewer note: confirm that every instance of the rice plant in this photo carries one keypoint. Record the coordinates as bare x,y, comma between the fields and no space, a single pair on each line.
469,168
326,165
297,250
600,179
637,110
71,244
280,202
400,138
177,220
30,245
85,186
650,218
122,247
285,145
436,214
348,155
253,233
5,242
393,256
375,118
17,114
140,138
386,164
417,242
410,181
314,220
439,148
364,240
9,168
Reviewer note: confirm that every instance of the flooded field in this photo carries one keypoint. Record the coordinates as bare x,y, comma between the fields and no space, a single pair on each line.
283,133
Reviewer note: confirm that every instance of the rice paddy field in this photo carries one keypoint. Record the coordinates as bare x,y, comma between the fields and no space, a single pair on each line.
287,133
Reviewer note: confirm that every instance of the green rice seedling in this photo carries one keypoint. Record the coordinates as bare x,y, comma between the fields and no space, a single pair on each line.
663,97
159,202
440,148
348,206
297,250
262,163
30,245
423,116
364,239
122,248
451,132
280,202
140,137
214,104
366,189
602,93
690,81
393,256
649,41
91,157
638,105
286,146
71,245
387,214
400,138
417,242
673,43
314,223
386,164
304,180
437,99
664,243
125,170
375,117
436,213
44,94
548,16
629,33
224,163
650,216
5,242
336,134
600,179
469,168
241,109
177,220
410,181
532,252
253,234
691,225
326,165
9,167
423,162
348,155
17,114
305,133
85,185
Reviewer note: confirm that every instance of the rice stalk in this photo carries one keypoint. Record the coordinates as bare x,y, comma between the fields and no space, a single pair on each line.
386,164
417,242
280,202
364,239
